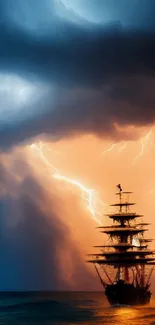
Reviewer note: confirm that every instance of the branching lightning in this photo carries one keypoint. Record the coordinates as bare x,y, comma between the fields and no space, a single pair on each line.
94,205
145,142
143,145
110,149
122,147
141,152
44,159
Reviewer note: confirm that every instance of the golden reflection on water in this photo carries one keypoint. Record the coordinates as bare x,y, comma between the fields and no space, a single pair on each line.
125,314
104,314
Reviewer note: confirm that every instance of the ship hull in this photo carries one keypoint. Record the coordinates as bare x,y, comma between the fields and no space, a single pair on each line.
122,293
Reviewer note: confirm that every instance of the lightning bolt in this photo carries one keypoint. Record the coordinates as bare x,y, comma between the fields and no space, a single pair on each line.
107,150
122,147
141,152
143,146
43,158
94,205
145,141
112,147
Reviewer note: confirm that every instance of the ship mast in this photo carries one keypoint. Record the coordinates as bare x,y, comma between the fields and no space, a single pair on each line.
128,251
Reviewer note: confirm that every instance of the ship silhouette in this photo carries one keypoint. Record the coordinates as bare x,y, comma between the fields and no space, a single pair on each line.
125,263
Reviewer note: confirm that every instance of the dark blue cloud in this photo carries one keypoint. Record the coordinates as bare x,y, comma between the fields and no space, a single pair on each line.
100,73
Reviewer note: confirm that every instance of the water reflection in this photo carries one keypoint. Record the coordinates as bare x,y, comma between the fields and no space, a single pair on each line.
126,314
136,315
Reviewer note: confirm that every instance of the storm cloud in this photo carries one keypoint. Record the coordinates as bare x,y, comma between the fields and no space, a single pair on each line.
96,75
34,239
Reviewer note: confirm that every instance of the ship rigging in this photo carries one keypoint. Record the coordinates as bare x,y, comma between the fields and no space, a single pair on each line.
125,264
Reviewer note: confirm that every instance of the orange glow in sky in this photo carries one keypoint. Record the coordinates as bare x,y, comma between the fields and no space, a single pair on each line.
69,169
79,164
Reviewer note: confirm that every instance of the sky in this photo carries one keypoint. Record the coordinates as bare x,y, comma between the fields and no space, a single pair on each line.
77,76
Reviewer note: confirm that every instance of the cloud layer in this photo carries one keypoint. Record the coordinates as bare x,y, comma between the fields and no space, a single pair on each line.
95,75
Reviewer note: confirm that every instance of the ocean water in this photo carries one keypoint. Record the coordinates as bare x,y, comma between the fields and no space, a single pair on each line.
57,308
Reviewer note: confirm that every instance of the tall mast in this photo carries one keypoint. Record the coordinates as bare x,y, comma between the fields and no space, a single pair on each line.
120,196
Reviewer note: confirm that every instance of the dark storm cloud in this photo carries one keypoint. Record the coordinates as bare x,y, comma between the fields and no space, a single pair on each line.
101,74
78,56
33,239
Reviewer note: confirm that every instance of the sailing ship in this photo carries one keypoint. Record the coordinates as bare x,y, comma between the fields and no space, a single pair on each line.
125,263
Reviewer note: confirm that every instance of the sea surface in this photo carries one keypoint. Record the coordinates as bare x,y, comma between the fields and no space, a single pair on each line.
57,308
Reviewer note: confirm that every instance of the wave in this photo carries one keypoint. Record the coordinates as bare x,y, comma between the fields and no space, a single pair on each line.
47,310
